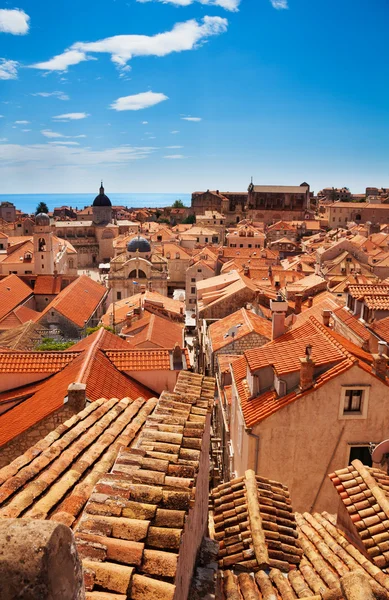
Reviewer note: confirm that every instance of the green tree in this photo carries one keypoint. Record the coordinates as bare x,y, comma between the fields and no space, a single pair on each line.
42,208
90,330
189,220
178,204
49,344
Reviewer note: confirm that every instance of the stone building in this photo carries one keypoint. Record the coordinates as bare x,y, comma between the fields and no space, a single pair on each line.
138,268
93,238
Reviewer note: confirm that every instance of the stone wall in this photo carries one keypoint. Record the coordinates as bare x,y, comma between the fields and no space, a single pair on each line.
227,306
25,440
252,340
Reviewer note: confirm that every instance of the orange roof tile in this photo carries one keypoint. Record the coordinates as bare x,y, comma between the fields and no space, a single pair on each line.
152,330
244,323
381,328
20,315
48,284
35,362
79,300
140,360
352,323
224,361
13,291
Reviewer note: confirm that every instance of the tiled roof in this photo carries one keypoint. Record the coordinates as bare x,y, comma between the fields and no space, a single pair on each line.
244,322
316,310
140,360
381,328
13,291
48,284
224,361
35,362
284,353
79,300
130,534
360,291
151,301
365,494
91,367
377,302
352,323
22,337
153,331
255,524
54,478
329,559
18,316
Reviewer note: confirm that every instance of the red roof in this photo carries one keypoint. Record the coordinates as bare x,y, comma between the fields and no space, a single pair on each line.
152,331
244,323
35,362
79,300
352,323
13,291
18,316
48,284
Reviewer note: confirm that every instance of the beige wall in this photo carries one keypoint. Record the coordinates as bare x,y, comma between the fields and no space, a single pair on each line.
303,442
157,381
10,381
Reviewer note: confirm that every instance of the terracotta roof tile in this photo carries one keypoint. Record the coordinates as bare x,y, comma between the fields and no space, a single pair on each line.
140,360
352,323
244,322
381,328
153,331
35,362
79,300
48,284
13,291
365,494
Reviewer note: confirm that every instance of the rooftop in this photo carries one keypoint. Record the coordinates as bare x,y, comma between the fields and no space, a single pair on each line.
242,322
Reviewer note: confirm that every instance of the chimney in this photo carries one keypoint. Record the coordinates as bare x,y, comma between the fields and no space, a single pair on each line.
306,370
298,301
326,314
317,268
309,301
278,307
380,360
77,396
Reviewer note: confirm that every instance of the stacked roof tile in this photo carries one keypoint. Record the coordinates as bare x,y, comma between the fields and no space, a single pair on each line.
364,492
328,560
130,534
352,323
54,478
255,525
13,291
139,360
244,322
152,331
35,362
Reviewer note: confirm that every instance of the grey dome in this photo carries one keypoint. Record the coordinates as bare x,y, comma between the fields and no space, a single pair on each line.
139,243
102,199
42,219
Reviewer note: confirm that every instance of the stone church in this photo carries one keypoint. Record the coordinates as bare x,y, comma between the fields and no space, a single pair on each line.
93,240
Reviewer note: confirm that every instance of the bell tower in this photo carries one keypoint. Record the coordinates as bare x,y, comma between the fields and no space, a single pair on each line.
43,245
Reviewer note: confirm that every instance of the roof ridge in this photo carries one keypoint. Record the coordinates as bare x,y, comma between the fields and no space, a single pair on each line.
87,362
324,330
247,320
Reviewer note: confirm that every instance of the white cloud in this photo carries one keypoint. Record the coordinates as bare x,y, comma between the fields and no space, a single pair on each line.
53,134
122,48
49,156
174,132
26,130
14,21
59,95
175,156
138,101
1,116
22,122
3,139
227,4
57,142
145,122
279,4
71,116
174,147
8,69
194,119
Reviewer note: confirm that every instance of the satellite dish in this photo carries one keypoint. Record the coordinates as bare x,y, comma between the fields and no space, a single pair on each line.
232,331
380,450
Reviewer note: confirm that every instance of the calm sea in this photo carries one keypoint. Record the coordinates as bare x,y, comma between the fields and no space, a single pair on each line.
28,202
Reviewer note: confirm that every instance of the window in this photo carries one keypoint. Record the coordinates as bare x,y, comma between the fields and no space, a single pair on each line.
361,453
118,295
354,402
192,290
193,279
206,240
199,270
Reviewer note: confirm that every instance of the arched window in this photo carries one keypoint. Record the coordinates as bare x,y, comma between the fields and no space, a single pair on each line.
42,244
70,263
137,274
357,217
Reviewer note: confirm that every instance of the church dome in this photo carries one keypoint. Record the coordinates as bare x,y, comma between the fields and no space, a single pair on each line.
42,219
138,243
102,199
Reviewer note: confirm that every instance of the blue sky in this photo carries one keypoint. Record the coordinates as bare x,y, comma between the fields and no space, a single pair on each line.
183,95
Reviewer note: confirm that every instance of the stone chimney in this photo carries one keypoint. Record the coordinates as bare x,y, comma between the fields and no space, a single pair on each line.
298,301
309,301
77,396
380,360
278,307
306,370
326,314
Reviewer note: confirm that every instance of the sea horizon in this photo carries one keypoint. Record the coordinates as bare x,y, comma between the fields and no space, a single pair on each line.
28,202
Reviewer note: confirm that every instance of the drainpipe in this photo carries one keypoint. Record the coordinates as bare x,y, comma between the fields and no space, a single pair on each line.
256,437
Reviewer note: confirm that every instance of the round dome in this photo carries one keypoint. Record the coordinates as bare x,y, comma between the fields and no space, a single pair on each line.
102,199
139,243
42,219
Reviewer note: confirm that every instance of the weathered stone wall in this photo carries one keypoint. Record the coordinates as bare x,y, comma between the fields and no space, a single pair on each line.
229,305
252,340
28,438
